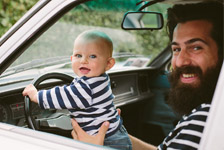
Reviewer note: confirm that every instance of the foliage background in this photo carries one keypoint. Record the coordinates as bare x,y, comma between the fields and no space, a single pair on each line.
11,11
150,43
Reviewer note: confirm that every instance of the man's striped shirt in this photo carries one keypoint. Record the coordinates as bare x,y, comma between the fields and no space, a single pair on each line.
188,132
89,101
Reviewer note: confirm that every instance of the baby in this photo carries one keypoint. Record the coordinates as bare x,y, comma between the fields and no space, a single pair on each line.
89,97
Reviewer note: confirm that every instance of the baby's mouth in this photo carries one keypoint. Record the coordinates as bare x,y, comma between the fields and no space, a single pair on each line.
84,70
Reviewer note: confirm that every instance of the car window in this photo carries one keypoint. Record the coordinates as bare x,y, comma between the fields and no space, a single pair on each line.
131,48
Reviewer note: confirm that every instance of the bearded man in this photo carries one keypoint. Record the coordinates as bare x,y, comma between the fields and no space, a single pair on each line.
197,48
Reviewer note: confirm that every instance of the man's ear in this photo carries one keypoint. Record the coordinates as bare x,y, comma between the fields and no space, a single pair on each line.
110,63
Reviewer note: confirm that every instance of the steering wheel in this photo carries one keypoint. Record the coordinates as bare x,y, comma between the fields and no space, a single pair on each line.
56,120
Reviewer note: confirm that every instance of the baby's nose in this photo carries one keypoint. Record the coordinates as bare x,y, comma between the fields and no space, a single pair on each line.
84,60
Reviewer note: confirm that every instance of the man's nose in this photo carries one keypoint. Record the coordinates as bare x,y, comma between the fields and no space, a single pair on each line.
183,59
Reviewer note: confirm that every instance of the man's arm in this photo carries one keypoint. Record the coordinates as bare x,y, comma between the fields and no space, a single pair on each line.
79,134
138,144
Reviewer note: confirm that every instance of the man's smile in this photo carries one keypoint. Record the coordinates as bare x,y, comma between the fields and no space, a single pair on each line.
188,77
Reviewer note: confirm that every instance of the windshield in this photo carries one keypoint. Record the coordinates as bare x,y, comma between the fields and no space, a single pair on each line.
131,48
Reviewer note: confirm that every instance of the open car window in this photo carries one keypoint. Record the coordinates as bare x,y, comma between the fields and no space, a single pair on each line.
54,47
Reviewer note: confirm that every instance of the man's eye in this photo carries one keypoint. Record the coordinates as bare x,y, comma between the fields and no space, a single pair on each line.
78,55
176,50
197,48
92,56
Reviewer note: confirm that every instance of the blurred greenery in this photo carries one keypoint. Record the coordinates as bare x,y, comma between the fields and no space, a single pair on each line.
150,43
11,11
104,13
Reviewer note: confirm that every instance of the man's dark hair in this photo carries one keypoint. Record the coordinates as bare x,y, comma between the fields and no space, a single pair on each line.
210,11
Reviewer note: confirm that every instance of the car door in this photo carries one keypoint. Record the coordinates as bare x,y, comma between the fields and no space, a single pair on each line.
42,41
213,132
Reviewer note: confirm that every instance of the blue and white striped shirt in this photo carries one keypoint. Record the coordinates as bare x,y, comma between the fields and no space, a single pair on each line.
89,101
188,132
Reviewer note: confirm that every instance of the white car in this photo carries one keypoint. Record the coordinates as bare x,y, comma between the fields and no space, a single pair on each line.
37,50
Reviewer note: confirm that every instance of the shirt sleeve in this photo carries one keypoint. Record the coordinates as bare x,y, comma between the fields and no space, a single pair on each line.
187,133
78,95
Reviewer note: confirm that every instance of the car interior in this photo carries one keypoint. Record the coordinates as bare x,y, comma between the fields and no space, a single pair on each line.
140,84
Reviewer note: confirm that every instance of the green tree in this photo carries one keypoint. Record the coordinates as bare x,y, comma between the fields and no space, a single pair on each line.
11,11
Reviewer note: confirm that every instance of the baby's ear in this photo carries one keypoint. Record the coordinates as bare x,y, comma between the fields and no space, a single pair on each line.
71,58
110,63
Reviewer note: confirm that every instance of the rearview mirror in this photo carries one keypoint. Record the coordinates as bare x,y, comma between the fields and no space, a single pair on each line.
142,20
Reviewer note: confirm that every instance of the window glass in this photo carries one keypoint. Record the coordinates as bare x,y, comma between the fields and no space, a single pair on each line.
131,48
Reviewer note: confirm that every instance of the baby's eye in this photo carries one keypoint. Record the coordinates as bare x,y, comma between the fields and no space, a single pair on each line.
78,55
92,56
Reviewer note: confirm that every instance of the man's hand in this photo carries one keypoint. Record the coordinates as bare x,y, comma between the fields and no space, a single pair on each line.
30,91
79,134
119,111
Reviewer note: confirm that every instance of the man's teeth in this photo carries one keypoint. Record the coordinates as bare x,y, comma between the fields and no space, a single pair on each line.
188,75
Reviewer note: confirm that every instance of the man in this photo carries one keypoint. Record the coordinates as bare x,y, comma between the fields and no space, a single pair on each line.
196,34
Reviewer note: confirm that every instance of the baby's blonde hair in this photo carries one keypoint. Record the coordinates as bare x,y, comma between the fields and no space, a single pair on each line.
96,35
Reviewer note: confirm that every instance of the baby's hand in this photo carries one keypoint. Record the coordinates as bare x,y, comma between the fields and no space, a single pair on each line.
30,91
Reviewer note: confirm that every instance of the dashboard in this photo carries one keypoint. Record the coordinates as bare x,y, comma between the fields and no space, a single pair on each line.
127,86
12,110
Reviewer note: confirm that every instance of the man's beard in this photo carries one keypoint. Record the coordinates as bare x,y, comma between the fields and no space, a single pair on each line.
183,98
